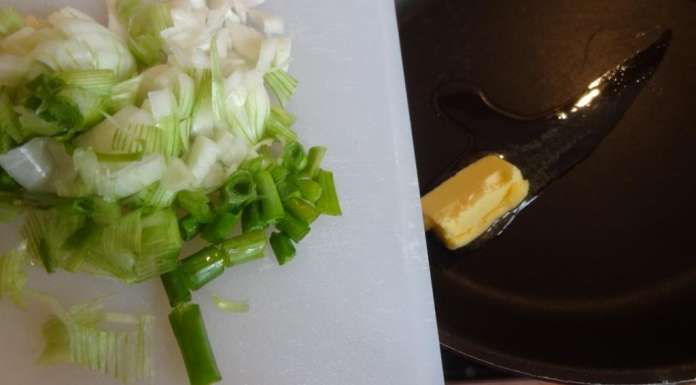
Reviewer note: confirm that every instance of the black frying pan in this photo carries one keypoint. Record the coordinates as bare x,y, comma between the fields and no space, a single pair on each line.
595,281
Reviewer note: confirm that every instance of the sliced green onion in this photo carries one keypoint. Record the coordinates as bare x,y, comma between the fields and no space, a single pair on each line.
244,248
176,288
239,189
282,84
309,189
195,203
271,205
294,158
302,209
253,165
328,202
288,189
10,21
314,158
279,173
187,323
230,306
251,218
293,227
189,227
278,125
221,227
202,267
282,247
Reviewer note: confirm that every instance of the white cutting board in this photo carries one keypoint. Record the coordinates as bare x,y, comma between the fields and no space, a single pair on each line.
355,307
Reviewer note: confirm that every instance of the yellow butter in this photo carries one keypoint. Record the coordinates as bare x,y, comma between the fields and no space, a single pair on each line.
465,206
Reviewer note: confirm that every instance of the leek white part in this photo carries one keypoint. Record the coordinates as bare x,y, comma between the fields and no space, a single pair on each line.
201,158
162,103
133,177
129,126
216,177
269,24
116,182
157,78
178,177
30,164
203,119
245,40
275,53
80,43
233,150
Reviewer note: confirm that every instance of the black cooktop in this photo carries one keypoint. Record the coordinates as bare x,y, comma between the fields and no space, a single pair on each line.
619,222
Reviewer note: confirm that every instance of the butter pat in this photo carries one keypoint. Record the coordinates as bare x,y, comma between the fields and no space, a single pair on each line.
467,204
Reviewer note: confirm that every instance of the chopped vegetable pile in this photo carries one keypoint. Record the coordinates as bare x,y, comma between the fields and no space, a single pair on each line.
119,143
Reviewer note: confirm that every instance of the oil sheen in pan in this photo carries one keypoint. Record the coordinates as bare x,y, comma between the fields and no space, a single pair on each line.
547,145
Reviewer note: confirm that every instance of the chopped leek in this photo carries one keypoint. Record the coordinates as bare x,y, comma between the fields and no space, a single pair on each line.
99,82
161,245
187,322
271,205
282,84
196,203
309,189
230,306
120,143
278,125
13,274
176,288
202,267
220,227
295,228
283,248
80,336
328,202
239,190
302,209
244,248
314,158
294,157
